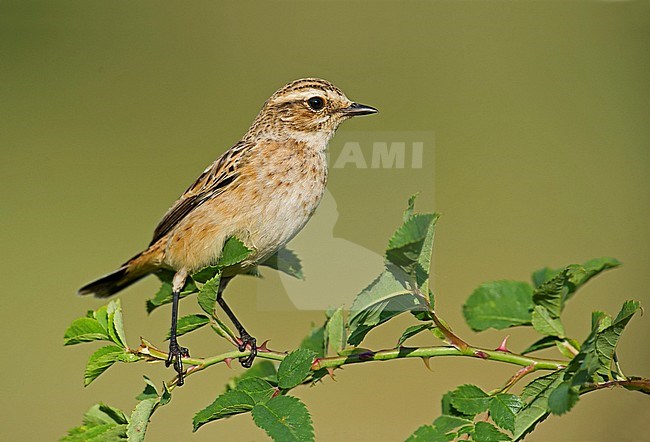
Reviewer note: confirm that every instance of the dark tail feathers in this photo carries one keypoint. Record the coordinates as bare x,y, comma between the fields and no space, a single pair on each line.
112,283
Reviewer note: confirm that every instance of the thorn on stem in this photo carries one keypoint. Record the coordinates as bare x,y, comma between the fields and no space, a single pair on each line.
481,354
228,362
263,348
330,371
504,345
426,363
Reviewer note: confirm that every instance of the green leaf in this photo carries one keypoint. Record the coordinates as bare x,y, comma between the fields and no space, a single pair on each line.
115,323
149,391
607,339
263,369
503,410
555,287
563,398
545,324
428,433
137,427
470,399
446,424
85,330
315,341
540,276
551,294
258,389
285,261
408,213
234,252
230,403
207,297
535,395
386,297
284,418
591,268
189,323
335,333
499,304
411,246
295,368
164,294
96,433
448,409
486,432
540,344
414,330
101,360
100,414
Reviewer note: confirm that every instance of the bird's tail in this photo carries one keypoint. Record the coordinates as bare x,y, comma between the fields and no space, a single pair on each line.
131,272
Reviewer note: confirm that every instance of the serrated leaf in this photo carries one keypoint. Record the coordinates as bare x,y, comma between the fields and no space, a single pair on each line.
137,427
414,330
284,418
100,414
116,323
189,323
85,330
551,294
535,395
555,287
97,433
545,324
149,391
540,276
499,304
428,433
263,369
230,403
335,333
386,297
607,339
540,344
562,398
448,409
257,388
207,297
285,261
164,294
295,368
446,423
503,410
234,251
315,341
411,246
486,432
100,361
470,399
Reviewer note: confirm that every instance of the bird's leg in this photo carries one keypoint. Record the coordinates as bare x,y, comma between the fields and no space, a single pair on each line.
246,339
176,352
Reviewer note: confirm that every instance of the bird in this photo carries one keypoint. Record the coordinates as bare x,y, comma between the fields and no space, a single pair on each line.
262,191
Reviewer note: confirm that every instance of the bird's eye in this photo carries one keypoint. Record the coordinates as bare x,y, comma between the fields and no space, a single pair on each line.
316,103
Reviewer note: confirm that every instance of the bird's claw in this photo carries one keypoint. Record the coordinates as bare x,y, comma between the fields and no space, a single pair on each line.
176,352
247,340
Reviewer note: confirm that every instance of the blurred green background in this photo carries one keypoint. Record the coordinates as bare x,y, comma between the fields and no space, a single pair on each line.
109,109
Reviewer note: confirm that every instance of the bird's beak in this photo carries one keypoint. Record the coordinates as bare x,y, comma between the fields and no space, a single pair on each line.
358,109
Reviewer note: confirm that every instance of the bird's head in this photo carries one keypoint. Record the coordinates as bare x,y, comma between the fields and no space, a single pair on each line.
306,108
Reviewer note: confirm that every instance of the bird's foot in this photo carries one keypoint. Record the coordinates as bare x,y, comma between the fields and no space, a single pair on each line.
176,352
247,341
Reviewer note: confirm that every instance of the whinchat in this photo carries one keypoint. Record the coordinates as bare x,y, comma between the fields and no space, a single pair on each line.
262,190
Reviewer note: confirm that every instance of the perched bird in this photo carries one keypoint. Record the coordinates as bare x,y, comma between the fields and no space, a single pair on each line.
262,190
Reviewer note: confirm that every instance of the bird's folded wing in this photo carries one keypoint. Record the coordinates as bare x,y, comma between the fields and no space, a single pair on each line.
212,182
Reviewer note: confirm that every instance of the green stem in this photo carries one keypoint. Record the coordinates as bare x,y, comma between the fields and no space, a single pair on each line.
197,364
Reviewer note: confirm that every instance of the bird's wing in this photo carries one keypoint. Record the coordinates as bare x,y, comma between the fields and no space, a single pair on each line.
212,182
